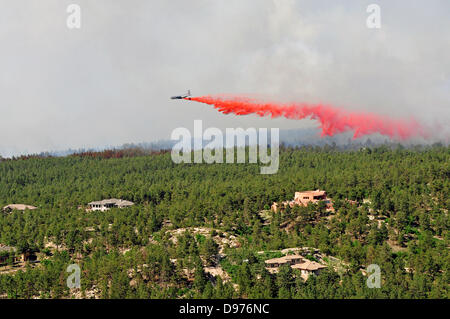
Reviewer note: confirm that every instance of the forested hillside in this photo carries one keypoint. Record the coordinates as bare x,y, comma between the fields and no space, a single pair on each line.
400,223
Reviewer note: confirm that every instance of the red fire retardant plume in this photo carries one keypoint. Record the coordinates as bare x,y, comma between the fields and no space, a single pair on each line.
332,120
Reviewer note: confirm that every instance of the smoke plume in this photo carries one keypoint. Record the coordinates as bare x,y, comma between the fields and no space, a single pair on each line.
332,120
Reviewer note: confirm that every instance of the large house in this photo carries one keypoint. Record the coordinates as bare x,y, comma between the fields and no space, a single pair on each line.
109,203
274,263
306,267
304,198
11,207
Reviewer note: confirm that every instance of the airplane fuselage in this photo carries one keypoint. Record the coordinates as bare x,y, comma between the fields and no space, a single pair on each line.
180,97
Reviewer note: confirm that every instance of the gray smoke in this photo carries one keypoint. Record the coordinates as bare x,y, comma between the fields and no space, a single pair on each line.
109,82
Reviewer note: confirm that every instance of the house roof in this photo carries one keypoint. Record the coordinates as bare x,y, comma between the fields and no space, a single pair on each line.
309,265
317,192
114,201
18,207
290,257
283,259
280,260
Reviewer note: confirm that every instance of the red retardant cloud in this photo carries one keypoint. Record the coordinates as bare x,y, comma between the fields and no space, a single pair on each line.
332,120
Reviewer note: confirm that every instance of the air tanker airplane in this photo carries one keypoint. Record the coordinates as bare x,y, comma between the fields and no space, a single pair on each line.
180,97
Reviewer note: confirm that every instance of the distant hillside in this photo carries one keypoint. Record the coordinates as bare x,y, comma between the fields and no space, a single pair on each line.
291,138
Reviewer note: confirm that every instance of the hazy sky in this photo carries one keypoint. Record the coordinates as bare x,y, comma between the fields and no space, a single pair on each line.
109,82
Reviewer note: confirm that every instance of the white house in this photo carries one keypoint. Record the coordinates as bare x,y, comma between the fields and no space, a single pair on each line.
109,203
